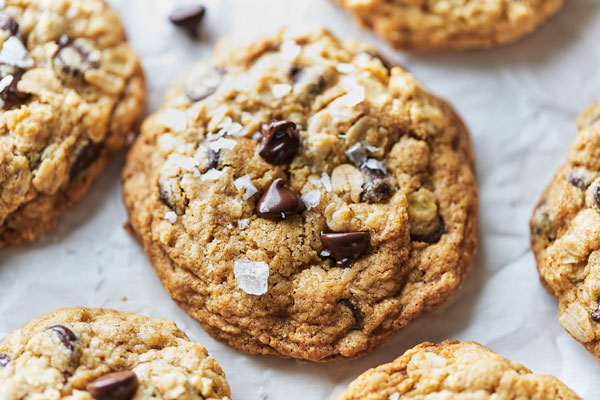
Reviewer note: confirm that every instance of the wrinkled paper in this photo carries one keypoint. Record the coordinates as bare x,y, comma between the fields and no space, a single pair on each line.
520,103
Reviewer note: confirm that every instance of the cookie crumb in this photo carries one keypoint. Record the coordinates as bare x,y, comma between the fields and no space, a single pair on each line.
251,276
280,90
243,223
172,118
212,175
311,199
289,50
345,68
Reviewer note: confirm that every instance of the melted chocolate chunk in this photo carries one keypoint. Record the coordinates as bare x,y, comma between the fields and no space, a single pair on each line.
203,81
432,237
8,23
84,158
278,202
66,336
279,142
114,386
189,18
356,312
4,360
576,181
11,93
597,194
75,57
595,314
346,247
377,187
171,195
296,74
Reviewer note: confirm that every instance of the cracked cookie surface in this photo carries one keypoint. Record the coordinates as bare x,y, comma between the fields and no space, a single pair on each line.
451,24
79,353
299,198
454,370
71,90
565,235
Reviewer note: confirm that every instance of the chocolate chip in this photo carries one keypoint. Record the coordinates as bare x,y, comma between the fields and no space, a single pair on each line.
213,158
86,155
430,237
278,202
346,247
377,187
10,93
203,81
66,336
575,181
75,57
595,314
114,386
172,195
4,360
189,18
279,141
318,87
597,194
8,23
356,312
296,74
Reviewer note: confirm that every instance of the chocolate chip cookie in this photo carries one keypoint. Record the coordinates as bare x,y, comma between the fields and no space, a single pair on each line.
71,90
79,353
565,235
453,24
454,370
300,198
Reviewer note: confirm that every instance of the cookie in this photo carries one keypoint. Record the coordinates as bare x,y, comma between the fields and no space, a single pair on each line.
565,235
454,370
442,24
80,353
71,90
300,198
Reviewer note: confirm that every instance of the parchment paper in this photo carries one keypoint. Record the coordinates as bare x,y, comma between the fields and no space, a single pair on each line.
520,103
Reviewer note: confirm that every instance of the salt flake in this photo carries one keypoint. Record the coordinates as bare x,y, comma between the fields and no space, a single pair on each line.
326,181
311,199
325,253
212,175
280,90
5,82
289,50
14,53
173,118
345,68
357,153
186,163
222,143
171,217
251,276
243,223
376,165
394,396
245,182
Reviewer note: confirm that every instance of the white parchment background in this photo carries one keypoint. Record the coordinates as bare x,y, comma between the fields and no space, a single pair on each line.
520,103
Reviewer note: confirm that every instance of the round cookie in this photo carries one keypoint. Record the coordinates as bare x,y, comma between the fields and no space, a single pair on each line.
71,90
454,370
454,24
299,198
565,235
79,353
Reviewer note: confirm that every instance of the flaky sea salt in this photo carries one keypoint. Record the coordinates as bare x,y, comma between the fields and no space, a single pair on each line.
243,223
357,153
211,175
225,124
251,276
345,68
173,118
229,226
222,143
281,89
372,163
394,396
326,181
237,130
311,199
325,253
315,181
244,182
289,50
186,163
14,53
171,217
5,82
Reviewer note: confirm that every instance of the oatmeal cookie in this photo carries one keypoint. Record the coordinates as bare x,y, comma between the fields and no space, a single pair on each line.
565,235
79,353
71,90
451,24
300,198
454,370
